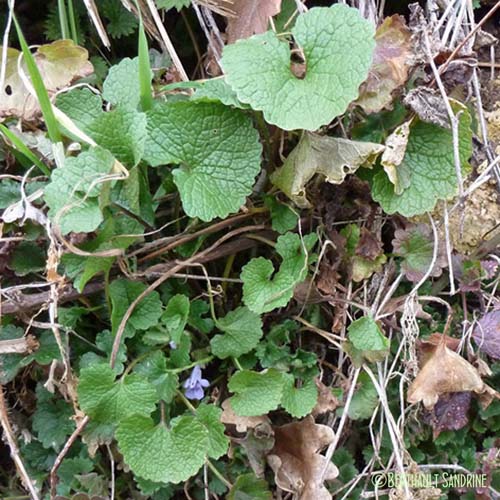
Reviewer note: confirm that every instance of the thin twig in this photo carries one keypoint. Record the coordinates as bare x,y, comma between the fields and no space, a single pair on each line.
14,450
53,472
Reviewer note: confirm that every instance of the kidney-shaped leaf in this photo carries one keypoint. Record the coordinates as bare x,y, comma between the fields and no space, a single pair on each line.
337,44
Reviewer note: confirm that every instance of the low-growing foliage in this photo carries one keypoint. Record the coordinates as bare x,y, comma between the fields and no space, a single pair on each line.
243,284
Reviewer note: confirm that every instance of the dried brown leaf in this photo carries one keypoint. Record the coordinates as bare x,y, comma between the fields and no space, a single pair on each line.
296,461
446,372
249,17
59,63
326,402
389,69
394,152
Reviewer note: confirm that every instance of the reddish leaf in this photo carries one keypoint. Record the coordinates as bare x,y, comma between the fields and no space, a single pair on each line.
390,64
450,412
487,334
249,17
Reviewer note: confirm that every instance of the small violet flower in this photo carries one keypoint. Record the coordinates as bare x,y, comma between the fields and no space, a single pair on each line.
194,384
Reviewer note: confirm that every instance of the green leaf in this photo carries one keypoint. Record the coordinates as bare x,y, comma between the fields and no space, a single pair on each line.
69,470
160,454
415,245
176,316
368,340
331,157
146,314
249,487
72,194
10,363
106,400
299,401
27,258
218,151
122,131
217,89
364,399
209,416
337,44
260,292
81,105
256,393
52,419
121,22
170,4
46,352
122,86
154,368
242,330
429,163
282,216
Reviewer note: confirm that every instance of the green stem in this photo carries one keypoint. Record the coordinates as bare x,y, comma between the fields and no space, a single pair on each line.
237,364
72,22
186,402
217,474
63,19
192,365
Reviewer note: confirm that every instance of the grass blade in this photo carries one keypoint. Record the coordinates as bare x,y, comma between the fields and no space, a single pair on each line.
63,18
144,68
23,149
40,90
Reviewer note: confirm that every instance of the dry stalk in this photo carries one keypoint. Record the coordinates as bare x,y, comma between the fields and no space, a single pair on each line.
14,450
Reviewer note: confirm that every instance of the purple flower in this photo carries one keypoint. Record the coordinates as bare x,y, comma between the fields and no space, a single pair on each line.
194,384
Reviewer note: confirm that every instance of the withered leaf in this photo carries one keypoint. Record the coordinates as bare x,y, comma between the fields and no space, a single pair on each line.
248,17
390,65
296,461
59,63
394,152
332,157
446,372
326,400
449,413
257,444
369,245
486,334
242,424
428,104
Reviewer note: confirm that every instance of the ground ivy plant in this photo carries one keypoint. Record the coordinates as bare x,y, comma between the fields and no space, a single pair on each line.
192,302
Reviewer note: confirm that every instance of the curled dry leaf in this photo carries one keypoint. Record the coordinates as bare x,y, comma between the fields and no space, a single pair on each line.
394,152
242,424
296,461
486,334
446,372
332,157
428,104
59,63
326,400
391,61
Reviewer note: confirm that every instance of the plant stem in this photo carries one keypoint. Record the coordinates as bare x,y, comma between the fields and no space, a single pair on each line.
217,474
